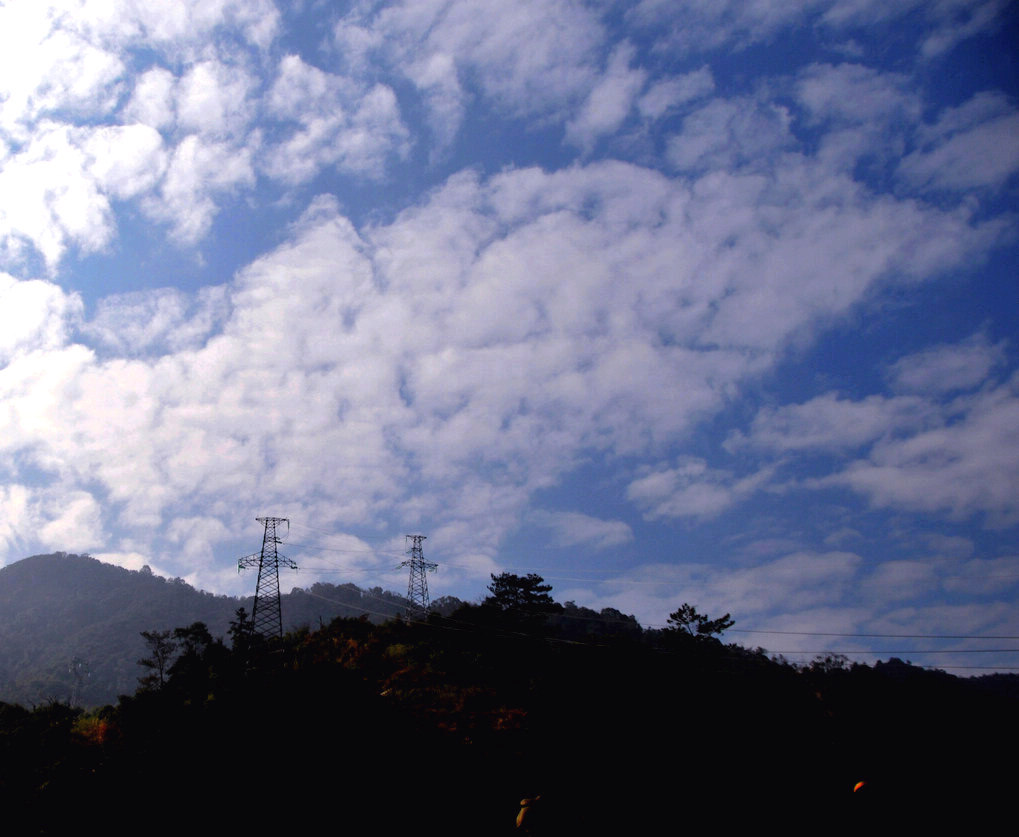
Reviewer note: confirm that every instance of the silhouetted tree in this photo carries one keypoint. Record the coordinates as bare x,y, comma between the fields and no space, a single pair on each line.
688,621
162,647
526,594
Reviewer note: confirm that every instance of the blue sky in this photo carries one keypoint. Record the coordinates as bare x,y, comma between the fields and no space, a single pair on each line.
667,301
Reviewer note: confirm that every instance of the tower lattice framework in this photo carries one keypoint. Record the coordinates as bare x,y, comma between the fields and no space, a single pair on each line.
417,584
266,615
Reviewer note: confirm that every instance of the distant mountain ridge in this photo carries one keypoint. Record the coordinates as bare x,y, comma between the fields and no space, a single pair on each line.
70,625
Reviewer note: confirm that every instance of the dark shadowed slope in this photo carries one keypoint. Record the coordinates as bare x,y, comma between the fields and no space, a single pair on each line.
70,625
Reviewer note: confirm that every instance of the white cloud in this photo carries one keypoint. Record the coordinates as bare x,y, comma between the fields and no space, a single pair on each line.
918,451
34,315
44,69
671,92
691,490
436,76
64,69
947,368
16,526
212,98
684,26
340,122
574,528
164,319
957,20
975,145
198,172
830,422
153,101
49,195
696,26
532,57
610,100
896,581
865,113
453,360
65,56
965,468
853,93
73,522
57,518
726,134
817,589
125,160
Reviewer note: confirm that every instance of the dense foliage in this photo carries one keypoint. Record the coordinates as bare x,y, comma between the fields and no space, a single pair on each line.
449,722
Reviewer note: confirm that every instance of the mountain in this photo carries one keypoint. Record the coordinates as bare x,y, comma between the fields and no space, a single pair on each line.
70,626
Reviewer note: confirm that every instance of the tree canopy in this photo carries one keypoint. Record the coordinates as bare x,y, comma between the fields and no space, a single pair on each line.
688,621
522,593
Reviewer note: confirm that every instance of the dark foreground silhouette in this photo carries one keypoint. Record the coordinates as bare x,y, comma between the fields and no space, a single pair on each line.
446,725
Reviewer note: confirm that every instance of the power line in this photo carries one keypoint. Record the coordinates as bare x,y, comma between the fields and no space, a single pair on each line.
342,549
909,651
880,636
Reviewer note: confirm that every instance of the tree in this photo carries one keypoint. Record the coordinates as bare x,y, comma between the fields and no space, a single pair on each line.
161,650
688,621
242,634
526,594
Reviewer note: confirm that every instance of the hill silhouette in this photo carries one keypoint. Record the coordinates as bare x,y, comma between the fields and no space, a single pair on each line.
606,727
70,625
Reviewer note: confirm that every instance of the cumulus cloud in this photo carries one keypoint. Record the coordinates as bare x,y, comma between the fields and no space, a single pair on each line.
916,450
212,97
50,198
477,344
965,468
610,100
971,146
532,57
830,422
574,528
696,26
340,122
162,320
690,490
65,80
34,316
152,102
521,304
805,587
730,134
947,368
670,93
198,171
867,115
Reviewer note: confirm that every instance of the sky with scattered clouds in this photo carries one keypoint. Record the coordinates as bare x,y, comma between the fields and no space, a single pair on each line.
668,301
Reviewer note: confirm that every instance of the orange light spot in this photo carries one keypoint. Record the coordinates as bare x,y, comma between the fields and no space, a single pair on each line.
857,786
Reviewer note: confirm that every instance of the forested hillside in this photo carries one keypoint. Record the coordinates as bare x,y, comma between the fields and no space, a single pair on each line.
70,626
450,722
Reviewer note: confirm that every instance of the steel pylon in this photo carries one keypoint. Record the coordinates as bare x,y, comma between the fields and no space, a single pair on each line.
417,584
266,615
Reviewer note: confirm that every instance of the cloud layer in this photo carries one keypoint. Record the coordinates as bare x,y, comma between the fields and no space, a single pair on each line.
420,265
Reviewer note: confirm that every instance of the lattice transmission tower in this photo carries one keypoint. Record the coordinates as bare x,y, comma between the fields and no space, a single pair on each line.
80,671
266,616
417,585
